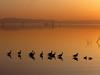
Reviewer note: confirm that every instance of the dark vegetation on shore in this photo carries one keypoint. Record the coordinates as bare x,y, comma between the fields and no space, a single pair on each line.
19,23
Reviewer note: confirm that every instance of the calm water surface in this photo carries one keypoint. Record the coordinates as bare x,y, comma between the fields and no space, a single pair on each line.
69,40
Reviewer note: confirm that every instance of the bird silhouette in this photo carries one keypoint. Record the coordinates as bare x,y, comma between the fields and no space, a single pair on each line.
50,54
19,54
85,57
9,54
75,55
53,55
60,55
90,58
41,55
31,55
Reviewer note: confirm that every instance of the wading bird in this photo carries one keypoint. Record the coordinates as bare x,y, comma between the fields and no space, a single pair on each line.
9,54
50,54
41,55
85,57
75,55
60,55
31,55
19,54
90,58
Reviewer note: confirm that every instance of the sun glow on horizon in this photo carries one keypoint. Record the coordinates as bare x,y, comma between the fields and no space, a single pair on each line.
51,9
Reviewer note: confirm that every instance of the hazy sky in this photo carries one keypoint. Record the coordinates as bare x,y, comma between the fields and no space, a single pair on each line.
51,9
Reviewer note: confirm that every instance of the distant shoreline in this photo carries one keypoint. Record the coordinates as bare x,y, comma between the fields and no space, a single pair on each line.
50,27
16,23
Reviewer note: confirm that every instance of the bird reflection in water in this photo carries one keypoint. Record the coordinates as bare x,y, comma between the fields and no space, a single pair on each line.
61,58
76,59
51,57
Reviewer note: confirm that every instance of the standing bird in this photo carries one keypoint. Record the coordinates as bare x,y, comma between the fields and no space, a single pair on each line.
60,55
31,55
41,54
53,55
75,55
85,57
50,54
90,58
19,54
9,54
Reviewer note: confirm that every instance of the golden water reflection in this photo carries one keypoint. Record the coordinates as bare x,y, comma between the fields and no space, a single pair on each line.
69,40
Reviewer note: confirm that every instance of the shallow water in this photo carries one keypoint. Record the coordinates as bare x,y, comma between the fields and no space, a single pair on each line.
69,40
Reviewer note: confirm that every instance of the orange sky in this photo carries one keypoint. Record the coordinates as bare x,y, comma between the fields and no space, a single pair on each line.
51,9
